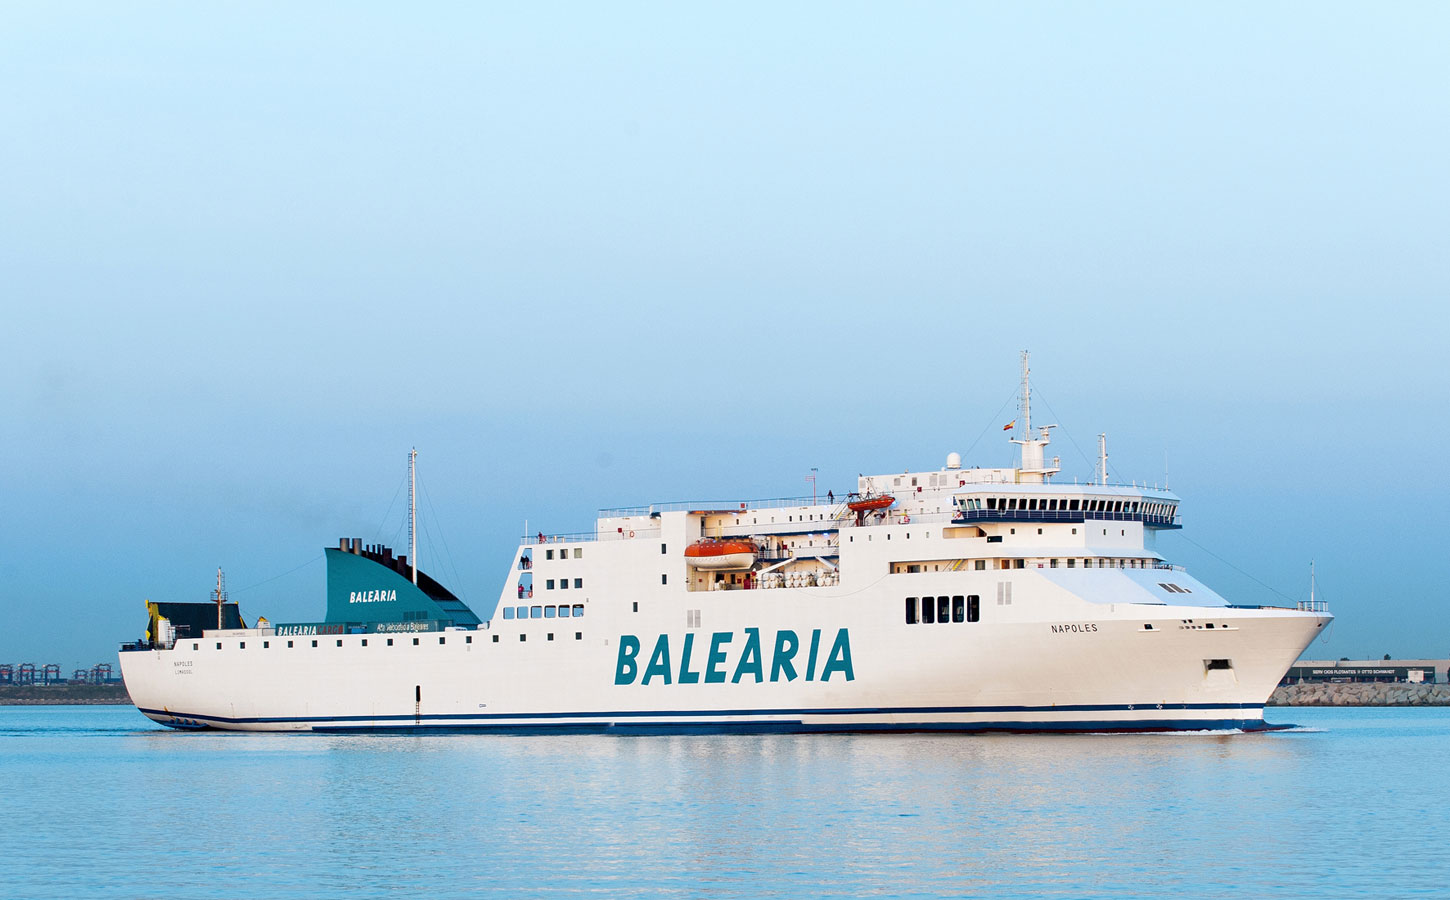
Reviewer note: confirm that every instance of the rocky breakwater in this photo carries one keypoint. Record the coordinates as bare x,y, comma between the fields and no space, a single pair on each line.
63,694
1365,694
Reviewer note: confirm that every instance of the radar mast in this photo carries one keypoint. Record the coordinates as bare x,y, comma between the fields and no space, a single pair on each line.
1032,470
413,512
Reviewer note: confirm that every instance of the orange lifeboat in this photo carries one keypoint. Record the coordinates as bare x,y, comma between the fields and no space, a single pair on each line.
721,555
870,503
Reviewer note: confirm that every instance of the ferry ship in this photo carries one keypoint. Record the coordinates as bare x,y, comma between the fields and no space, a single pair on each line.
951,599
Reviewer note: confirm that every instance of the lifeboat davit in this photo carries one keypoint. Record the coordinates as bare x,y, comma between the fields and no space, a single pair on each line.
870,504
721,555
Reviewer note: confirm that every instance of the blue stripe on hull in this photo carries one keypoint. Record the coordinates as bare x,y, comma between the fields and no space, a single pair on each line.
715,713
559,723
777,727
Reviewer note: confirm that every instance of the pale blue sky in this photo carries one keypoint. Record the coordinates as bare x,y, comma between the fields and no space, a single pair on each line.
586,255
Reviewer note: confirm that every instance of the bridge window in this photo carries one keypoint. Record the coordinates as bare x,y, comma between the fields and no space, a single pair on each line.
911,611
928,610
974,608
959,608
943,610
1072,563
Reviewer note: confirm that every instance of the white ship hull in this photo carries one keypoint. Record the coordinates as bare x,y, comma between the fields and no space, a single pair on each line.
1041,664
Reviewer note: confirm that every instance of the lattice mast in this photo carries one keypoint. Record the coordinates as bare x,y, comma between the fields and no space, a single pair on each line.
1033,470
413,512
219,596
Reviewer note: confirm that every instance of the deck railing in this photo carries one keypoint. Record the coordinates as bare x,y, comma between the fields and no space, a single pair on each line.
585,537
714,506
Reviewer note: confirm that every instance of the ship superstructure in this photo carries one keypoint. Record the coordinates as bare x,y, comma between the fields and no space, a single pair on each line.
959,599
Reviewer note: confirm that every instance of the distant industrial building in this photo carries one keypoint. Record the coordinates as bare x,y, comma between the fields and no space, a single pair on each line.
1343,671
26,674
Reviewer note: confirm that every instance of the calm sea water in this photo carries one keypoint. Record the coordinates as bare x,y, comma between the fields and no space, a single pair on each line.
97,802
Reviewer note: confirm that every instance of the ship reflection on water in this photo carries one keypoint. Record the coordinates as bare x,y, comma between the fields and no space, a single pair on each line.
741,815
1160,815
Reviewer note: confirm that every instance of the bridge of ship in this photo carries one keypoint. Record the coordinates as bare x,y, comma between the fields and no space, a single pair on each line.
798,538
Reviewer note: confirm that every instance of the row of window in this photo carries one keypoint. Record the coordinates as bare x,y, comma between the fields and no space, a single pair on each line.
940,610
563,584
467,639
564,553
981,565
722,521
1053,504
242,645
543,612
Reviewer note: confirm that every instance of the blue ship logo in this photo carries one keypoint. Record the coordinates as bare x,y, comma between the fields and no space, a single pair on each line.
749,663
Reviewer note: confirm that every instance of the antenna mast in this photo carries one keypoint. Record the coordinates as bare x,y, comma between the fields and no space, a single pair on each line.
219,596
1103,458
1034,468
1026,400
413,512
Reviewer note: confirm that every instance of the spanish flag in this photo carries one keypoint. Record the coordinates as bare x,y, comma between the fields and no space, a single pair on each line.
1010,425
